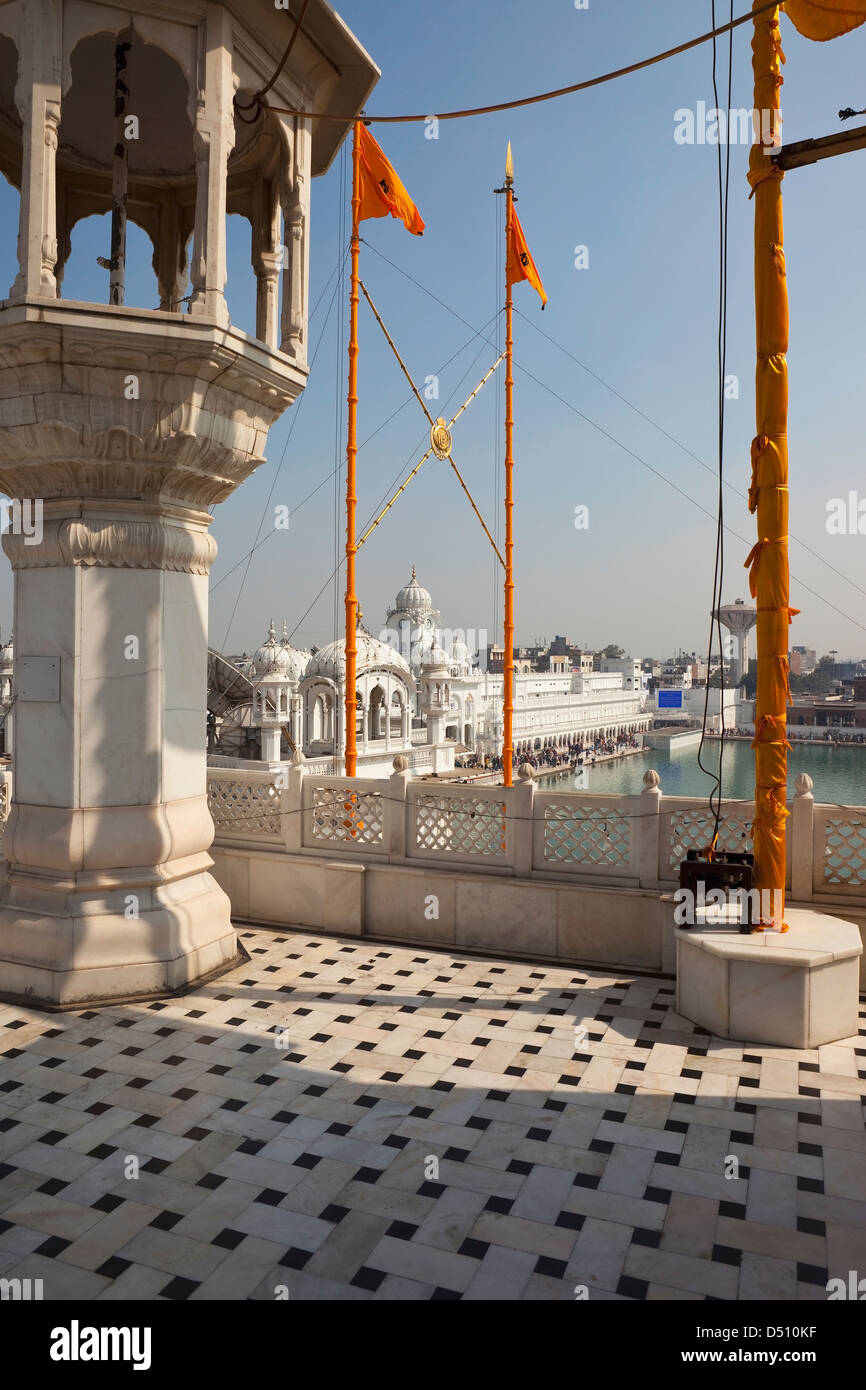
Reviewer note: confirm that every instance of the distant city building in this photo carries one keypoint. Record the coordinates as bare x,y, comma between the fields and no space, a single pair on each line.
676,675
633,678
803,661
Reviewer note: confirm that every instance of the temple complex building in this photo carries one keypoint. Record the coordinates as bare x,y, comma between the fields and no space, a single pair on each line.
422,691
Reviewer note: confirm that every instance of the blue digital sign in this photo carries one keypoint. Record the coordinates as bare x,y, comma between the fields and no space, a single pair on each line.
670,699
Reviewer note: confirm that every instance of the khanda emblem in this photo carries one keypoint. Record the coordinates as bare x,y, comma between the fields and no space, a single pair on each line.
524,258
383,184
440,439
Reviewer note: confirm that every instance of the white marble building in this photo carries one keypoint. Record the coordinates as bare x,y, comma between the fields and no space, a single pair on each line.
420,693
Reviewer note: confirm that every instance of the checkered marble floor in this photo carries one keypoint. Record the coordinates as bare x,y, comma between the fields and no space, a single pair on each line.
339,1119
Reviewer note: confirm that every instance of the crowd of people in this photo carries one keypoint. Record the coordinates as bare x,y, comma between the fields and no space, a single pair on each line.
577,754
809,734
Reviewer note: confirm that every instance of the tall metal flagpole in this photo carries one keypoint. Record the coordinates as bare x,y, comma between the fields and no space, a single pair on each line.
351,455
508,656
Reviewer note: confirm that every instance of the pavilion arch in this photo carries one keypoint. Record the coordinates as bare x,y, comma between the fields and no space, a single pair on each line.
177,97
377,710
161,161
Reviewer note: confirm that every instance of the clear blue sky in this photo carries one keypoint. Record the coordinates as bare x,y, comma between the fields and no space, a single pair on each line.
600,169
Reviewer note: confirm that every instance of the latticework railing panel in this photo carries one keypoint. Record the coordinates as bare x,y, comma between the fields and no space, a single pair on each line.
347,817
844,858
576,834
462,826
244,808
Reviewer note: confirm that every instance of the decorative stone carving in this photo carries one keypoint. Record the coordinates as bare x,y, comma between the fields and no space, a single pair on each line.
147,544
135,406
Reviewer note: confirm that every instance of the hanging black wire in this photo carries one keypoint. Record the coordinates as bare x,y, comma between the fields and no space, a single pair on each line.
339,404
724,170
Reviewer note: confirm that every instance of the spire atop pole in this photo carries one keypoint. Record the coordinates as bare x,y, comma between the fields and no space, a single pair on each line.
509,167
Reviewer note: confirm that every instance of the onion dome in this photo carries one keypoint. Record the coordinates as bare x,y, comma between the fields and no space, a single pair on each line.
413,598
373,655
279,658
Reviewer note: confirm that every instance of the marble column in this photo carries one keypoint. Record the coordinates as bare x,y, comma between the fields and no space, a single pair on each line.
109,892
294,201
267,260
213,141
37,99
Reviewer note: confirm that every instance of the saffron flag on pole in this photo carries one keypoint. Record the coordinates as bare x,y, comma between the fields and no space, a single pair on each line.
826,19
520,265
381,189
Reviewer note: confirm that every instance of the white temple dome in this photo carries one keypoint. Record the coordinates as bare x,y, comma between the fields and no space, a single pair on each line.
461,656
413,598
278,658
298,658
373,655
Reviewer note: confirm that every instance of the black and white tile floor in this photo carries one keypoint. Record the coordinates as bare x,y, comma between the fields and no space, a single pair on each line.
342,1119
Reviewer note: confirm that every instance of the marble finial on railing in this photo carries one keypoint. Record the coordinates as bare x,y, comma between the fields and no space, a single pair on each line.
297,758
651,778
401,763
526,772
803,784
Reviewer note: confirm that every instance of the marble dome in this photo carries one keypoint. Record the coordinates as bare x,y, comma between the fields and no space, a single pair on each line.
461,656
373,655
279,658
413,598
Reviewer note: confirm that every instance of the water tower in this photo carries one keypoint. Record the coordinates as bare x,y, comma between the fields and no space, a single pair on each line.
129,425
739,620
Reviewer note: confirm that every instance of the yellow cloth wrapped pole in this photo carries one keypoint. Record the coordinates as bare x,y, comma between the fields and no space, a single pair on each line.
768,494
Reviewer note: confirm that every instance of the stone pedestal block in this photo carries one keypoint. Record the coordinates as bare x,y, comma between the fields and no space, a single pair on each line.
797,989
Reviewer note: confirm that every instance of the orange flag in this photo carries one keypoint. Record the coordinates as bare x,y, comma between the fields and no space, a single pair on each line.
826,19
520,264
381,190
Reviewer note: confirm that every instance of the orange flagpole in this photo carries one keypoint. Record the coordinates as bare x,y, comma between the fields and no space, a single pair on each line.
508,655
768,494
351,754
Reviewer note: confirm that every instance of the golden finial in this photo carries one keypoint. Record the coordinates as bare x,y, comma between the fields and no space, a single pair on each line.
509,165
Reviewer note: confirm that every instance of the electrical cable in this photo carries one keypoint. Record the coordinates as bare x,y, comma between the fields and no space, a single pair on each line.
715,794
542,96
612,438
678,442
